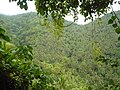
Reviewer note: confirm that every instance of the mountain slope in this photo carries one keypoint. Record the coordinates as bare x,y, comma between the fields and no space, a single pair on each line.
70,59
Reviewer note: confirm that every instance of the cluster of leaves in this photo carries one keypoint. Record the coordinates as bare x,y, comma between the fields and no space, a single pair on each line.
115,21
111,66
17,68
107,61
3,36
22,3
58,9
90,7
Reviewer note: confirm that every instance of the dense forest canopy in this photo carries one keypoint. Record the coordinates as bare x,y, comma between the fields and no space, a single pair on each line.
43,54
69,55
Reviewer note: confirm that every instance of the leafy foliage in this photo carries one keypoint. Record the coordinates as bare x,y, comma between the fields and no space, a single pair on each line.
71,59
17,71
60,8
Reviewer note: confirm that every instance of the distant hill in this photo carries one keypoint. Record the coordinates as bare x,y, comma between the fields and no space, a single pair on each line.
27,29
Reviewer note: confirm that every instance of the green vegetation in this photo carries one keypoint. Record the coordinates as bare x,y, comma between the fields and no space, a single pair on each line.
78,57
17,71
58,9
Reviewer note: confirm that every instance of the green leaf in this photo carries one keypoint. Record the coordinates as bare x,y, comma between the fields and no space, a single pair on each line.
1,36
115,25
90,88
110,21
113,18
2,31
117,30
1,50
21,5
18,3
119,38
25,6
6,38
30,48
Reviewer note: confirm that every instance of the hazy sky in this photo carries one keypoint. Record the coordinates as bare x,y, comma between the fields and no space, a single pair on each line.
12,9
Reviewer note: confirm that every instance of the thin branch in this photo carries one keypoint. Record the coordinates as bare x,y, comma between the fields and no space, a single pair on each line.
113,12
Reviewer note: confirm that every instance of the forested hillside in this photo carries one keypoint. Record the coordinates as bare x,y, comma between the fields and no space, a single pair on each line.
80,57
